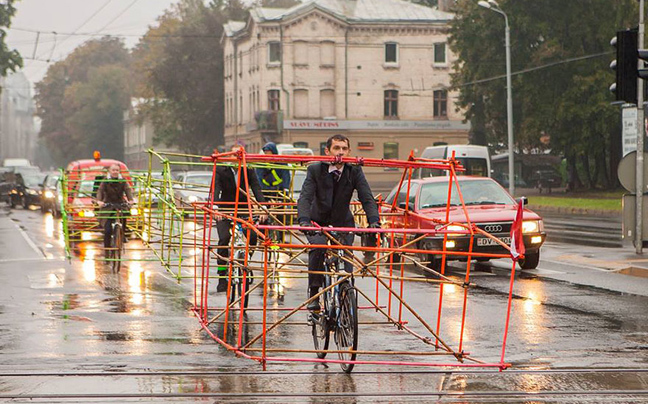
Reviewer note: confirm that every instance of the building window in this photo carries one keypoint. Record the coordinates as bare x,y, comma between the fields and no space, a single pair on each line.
390,150
300,53
327,54
301,103
391,103
440,104
273,100
391,52
301,145
322,148
274,52
440,53
327,103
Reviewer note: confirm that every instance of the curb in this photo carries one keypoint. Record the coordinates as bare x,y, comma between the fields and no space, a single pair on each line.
575,211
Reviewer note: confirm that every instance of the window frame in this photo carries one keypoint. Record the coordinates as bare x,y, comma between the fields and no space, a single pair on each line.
390,104
272,62
273,100
442,100
445,54
396,54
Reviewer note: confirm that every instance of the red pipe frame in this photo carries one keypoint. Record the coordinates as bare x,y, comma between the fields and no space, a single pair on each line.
437,227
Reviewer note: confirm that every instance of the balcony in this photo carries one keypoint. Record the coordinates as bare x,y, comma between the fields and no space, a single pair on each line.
266,121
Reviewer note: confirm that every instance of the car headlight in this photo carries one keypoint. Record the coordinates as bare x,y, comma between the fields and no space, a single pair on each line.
531,226
192,198
86,213
48,194
31,192
134,211
456,227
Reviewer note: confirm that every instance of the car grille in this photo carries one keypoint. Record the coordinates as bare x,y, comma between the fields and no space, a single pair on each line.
495,228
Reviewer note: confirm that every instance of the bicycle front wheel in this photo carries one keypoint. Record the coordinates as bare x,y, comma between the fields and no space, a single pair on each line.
117,243
346,332
321,332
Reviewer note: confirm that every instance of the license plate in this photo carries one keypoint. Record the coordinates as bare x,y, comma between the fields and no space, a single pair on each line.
484,242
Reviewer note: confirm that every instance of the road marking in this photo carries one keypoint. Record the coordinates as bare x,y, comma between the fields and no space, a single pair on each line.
30,241
23,259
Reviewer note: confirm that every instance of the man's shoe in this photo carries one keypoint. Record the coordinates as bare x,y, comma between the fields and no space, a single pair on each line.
222,287
314,305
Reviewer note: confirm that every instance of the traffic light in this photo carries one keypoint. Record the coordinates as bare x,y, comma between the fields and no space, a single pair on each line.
625,65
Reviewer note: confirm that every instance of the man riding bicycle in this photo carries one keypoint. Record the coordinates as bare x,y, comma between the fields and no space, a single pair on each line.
225,184
112,192
325,200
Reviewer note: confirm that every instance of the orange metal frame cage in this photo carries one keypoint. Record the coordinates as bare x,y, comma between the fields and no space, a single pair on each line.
230,324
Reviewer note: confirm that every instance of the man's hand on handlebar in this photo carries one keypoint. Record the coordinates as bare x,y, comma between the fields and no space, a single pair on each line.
305,231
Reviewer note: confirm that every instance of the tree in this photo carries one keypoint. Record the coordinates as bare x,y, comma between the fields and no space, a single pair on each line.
181,64
81,101
568,99
9,59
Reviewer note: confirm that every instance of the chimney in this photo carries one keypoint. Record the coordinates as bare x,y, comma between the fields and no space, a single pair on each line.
446,5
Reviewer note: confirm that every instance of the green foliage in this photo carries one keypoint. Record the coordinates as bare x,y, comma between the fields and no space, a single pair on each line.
182,73
82,99
9,59
568,100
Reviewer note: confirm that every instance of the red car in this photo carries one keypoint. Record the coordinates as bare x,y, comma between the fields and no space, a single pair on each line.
82,181
490,207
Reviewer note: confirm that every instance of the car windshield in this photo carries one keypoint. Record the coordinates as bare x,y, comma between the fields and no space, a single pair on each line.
32,180
51,180
478,192
198,181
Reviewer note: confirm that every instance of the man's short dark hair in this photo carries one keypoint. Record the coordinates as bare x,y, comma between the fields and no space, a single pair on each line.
339,138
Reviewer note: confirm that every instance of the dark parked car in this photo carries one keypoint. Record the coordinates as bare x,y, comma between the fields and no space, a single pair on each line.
545,178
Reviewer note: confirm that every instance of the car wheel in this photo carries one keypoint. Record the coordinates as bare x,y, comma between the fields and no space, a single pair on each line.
482,259
13,202
530,260
24,202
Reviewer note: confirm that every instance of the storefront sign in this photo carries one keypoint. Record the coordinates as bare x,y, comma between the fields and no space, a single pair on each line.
311,124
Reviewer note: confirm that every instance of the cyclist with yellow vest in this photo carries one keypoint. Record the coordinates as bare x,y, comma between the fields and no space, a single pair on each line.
273,180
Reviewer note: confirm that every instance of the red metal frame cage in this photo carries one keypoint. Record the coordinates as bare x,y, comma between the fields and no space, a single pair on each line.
386,270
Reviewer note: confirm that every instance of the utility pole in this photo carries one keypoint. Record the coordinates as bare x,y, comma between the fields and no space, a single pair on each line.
640,138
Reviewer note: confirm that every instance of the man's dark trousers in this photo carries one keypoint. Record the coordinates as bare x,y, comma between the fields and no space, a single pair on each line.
316,258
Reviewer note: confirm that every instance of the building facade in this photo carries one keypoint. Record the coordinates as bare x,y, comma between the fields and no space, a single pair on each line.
18,134
377,71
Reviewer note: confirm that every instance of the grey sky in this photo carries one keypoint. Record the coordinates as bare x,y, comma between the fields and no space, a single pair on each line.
127,17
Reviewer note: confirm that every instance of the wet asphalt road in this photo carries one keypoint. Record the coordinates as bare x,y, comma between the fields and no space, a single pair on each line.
74,331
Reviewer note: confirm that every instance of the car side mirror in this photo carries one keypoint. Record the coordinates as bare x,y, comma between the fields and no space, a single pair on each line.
524,200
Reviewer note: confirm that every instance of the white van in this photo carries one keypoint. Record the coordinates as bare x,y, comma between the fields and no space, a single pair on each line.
16,163
475,159
297,151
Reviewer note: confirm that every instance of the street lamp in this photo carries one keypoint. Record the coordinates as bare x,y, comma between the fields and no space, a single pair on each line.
492,5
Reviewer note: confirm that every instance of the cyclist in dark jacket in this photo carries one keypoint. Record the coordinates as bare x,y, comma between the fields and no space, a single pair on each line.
113,190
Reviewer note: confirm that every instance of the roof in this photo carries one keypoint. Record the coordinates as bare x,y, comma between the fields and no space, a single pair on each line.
358,11
230,28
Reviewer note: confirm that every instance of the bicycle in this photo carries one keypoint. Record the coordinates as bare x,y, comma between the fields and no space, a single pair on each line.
339,313
239,267
116,248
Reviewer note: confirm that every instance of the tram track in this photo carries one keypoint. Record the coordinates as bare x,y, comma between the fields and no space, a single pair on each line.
442,386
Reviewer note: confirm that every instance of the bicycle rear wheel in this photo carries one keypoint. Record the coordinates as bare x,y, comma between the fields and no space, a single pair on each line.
346,332
237,280
117,243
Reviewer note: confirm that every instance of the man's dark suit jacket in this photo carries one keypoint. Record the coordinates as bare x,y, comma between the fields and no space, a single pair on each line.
225,187
316,198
